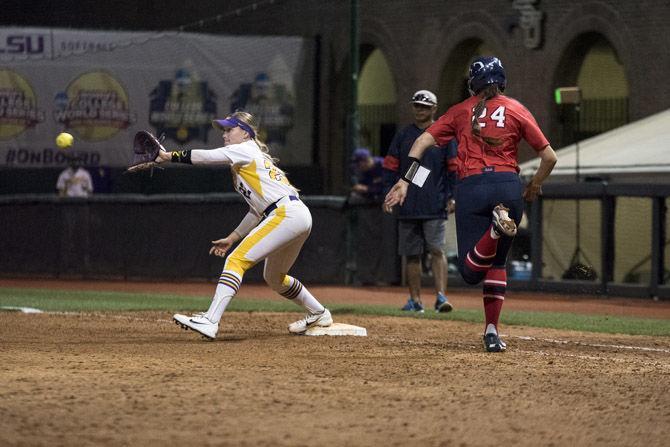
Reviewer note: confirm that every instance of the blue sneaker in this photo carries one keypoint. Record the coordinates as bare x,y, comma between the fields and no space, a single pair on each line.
442,304
412,306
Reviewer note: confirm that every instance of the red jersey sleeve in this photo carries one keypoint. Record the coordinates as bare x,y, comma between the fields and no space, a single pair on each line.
443,129
530,131
391,163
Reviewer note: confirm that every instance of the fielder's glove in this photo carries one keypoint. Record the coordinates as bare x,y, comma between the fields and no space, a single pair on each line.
146,148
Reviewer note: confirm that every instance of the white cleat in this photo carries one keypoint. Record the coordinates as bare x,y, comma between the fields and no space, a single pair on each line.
198,323
503,224
324,319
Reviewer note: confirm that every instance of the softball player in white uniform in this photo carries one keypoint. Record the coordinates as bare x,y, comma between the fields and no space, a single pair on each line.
274,229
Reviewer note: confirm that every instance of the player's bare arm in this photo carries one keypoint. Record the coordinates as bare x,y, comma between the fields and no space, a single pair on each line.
398,192
163,156
547,161
420,145
221,246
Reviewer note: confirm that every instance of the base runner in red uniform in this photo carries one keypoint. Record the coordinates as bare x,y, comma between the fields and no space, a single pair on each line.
489,195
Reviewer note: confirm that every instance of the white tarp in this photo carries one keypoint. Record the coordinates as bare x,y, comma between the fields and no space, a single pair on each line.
639,151
103,86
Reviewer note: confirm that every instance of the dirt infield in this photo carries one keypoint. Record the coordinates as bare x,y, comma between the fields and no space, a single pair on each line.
136,379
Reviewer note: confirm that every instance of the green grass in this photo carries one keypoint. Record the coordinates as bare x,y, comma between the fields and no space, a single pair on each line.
89,301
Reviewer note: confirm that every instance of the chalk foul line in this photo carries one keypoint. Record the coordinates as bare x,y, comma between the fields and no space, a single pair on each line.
591,345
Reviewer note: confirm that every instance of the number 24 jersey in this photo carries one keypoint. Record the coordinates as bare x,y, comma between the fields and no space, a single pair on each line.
503,118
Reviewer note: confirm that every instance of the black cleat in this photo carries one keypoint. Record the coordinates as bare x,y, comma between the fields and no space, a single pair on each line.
493,343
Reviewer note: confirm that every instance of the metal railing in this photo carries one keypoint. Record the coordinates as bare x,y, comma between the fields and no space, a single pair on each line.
140,236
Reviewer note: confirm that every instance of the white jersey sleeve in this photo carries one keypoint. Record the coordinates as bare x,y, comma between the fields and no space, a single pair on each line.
234,154
210,157
243,153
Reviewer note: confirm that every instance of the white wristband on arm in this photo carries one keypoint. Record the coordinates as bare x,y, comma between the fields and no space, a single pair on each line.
416,173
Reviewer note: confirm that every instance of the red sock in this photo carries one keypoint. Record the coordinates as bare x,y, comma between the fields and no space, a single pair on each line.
495,285
480,257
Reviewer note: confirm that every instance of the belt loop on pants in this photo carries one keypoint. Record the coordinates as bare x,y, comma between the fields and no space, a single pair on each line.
273,206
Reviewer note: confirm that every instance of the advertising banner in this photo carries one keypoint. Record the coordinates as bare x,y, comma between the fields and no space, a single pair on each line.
103,86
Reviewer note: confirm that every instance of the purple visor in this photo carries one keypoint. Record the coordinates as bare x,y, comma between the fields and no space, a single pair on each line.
234,122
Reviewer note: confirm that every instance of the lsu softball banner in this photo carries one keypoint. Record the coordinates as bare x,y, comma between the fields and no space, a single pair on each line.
102,87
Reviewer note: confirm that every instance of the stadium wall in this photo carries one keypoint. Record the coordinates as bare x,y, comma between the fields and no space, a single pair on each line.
418,39
163,237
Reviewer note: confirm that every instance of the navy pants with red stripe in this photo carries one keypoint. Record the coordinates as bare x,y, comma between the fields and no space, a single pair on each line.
476,196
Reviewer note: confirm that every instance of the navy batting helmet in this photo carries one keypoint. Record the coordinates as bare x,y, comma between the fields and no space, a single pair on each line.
486,70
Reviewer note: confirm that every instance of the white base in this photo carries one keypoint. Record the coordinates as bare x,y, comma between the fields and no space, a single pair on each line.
338,329
25,310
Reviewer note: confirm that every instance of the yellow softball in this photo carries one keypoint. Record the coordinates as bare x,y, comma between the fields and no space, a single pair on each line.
64,140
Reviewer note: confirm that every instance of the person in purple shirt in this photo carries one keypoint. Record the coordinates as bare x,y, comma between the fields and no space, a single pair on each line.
367,178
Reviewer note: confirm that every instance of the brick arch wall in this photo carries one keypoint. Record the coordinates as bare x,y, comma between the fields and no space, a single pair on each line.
609,26
567,70
469,26
581,24
411,33
381,36
478,25
452,88
596,17
640,40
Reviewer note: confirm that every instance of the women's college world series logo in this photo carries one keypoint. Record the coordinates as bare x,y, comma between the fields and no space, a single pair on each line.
18,105
95,106
183,108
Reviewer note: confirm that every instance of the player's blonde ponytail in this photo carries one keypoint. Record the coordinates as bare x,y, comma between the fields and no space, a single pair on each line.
251,121
486,93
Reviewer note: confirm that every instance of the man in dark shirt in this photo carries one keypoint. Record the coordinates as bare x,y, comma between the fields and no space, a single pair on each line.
421,219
